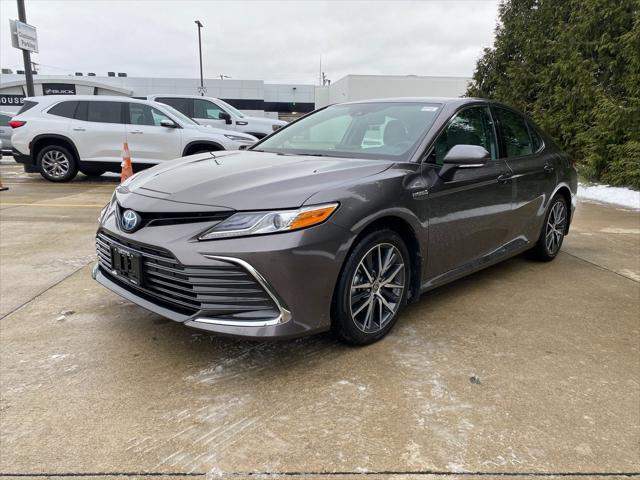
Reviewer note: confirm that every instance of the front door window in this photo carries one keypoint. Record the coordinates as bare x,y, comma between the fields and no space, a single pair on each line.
472,126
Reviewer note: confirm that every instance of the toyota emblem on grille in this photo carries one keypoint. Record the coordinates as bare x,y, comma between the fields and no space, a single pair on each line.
130,220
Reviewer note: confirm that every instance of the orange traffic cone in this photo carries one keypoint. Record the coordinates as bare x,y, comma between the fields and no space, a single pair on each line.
127,168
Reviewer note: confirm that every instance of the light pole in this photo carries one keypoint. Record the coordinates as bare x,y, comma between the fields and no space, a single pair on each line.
26,55
199,24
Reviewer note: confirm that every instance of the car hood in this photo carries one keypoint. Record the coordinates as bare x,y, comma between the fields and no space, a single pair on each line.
263,120
207,129
249,180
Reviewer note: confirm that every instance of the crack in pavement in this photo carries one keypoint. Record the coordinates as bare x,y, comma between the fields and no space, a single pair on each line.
53,285
289,474
599,266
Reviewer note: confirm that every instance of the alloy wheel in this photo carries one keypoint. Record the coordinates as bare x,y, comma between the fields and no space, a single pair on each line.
377,288
55,164
555,228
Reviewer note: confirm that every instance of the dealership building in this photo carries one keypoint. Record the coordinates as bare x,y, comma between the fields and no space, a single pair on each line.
255,97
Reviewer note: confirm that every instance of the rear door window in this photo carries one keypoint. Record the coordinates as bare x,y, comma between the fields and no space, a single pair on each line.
515,134
104,112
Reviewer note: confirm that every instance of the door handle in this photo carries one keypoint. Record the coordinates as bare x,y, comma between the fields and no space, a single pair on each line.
504,177
136,132
548,168
79,129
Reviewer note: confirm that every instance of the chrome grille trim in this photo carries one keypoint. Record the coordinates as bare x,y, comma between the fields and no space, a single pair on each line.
226,292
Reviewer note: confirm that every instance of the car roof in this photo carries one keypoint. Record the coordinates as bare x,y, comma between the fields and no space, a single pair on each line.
440,100
105,98
178,95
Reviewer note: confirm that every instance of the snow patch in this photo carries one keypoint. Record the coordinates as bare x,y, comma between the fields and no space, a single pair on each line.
624,197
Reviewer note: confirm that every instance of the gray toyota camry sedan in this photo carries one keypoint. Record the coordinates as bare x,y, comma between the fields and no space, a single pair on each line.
338,220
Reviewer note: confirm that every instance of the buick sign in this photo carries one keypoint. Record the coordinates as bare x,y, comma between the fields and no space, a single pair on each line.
58,89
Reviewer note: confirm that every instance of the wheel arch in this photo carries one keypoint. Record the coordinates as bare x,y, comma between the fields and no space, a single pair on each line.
192,146
566,193
408,234
46,139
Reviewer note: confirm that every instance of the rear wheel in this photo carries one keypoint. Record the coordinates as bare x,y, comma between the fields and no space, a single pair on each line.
372,289
553,230
57,164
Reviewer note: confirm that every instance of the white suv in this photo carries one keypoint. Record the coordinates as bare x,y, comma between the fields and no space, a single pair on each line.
217,113
57,135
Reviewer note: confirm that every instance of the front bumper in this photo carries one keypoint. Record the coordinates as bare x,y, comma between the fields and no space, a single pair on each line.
297,271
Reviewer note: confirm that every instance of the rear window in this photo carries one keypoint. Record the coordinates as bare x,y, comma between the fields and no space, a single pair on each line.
180,104
4,119
64,109
26,106
104,112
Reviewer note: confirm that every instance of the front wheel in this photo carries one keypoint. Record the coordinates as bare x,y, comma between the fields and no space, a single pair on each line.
372,288
57,164
553,230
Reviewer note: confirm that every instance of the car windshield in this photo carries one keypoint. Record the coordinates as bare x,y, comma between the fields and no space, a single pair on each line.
385,130
231,108
181,117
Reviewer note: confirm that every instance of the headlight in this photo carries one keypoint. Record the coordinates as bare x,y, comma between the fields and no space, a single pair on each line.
260,223
238,138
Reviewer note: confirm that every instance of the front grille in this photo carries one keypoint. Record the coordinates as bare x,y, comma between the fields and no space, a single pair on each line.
156,219
225,290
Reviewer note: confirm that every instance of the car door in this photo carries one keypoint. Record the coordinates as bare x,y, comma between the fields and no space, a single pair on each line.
534,171
470,208
149,141
206,112
97,130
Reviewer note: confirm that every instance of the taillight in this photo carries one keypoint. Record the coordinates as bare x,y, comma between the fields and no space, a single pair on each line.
16,123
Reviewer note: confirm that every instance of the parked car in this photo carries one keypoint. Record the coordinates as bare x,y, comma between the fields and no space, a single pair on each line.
217,113
57,135
5,131
325,225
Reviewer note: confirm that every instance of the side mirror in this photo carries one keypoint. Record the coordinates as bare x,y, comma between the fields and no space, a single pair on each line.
168,123
225,116
467,156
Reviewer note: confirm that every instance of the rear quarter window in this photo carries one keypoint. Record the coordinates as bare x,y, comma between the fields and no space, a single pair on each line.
536,139
64,109
26,106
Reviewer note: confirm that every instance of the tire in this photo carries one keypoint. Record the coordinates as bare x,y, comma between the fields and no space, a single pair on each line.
92,171
57,164
553,231
361,316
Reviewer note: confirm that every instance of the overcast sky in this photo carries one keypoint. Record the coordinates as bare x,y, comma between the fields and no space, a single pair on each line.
265,40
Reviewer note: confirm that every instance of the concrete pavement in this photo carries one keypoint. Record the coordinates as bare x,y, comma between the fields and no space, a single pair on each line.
524,369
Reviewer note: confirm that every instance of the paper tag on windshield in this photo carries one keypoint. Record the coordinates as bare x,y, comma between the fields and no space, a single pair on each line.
429,109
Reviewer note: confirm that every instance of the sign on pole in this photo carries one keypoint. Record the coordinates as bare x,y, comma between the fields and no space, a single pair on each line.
24,36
